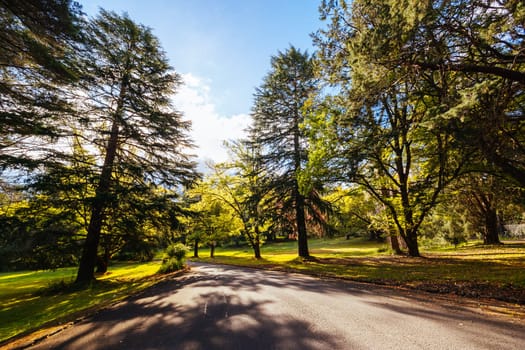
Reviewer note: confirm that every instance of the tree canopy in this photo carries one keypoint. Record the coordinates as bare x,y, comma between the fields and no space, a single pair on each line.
406,124
38,41
142,138
277,116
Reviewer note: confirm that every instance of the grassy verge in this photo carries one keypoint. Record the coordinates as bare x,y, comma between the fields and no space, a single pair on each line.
470,270
31,299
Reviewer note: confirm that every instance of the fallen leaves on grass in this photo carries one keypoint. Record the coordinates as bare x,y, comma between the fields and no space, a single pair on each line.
432,274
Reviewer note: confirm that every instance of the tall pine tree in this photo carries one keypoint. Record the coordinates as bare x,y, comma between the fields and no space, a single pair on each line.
129,116
277,117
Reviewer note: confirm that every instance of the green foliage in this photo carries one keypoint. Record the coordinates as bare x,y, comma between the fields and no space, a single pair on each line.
125,59
43,225
174,261
242,185
177,251
422,93
276,132
128,57
35,237
474,47
38,41
133,247
213,220
355,211
126,148
171,265
447,224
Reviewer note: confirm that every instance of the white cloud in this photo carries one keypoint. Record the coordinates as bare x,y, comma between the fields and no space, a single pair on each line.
209,129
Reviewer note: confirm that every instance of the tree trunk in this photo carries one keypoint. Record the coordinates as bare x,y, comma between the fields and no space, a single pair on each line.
254,240
102,264
257,245
196,248
490,235
302,239
103,261
257,252
412,244
88,260
410,233
212,250
394,243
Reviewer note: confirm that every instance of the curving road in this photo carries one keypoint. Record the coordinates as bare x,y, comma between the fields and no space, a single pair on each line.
220,307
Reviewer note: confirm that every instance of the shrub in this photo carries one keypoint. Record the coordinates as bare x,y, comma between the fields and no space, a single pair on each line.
177,251
174,260
171,265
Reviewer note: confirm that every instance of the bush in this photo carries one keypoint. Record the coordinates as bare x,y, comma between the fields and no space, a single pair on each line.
171,265
177,251
174,260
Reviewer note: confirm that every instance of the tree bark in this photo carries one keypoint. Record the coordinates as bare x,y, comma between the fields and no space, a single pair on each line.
491,227
302,239
412,244
196,248
88,260
394,243
89,255
511,74
103,261
212,250
410,233
102,266
257,245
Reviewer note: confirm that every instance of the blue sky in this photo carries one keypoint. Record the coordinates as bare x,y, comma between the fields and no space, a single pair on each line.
222,48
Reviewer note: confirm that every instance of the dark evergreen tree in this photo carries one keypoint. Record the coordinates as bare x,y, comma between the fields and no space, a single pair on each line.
141,138
36,61
277,117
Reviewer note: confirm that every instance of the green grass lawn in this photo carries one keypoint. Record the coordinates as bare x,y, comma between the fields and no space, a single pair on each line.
28,300
31,299
470,264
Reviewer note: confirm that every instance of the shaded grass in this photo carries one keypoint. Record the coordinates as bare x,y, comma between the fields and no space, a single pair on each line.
471,269
29,300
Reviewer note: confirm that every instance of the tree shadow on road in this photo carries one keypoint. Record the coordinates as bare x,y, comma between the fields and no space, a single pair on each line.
209,319
227,308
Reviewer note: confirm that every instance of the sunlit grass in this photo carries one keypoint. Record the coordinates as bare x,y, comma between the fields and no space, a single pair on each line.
20,282
132,271
360,260
25,304
29,300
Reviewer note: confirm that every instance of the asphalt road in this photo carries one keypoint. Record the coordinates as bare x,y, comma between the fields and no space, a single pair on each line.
219,307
